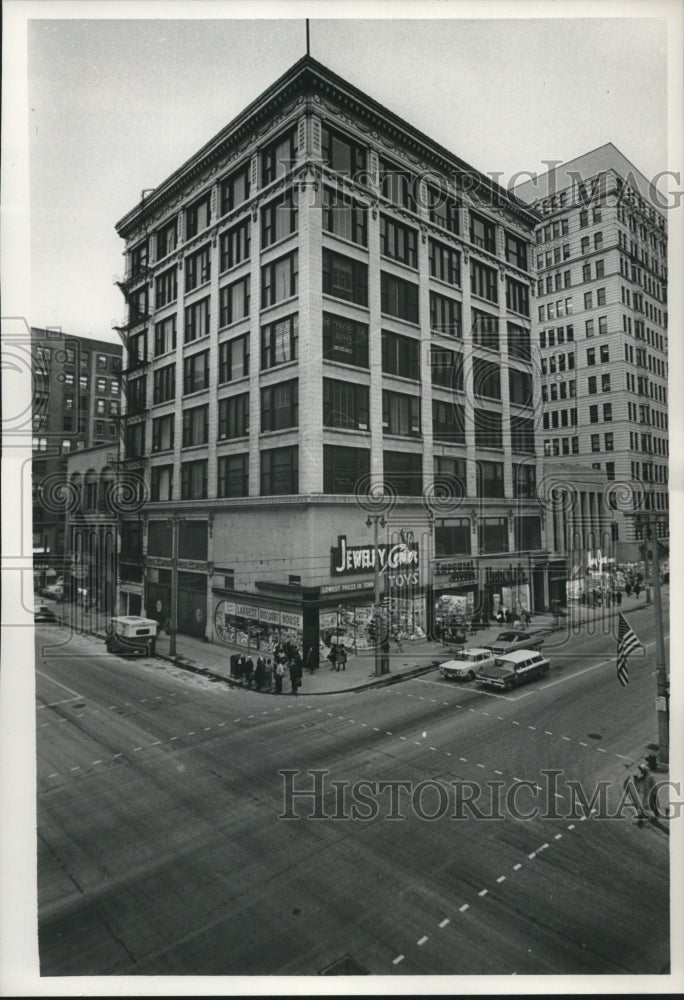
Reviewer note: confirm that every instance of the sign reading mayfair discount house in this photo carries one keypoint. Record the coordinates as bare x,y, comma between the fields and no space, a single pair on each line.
348,559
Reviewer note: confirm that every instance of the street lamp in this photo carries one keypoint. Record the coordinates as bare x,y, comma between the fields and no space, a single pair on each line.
375,519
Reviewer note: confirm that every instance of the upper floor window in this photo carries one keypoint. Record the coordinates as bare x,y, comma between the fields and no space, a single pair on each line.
197,320
483,281
482,233
166,287
445,263
233,418
400,355
234,301
342,154
445,315
279,279
280,406
279,341
279,156
234,245
163,433
486,378
398,297
279,218
397,184
345,340
197,268
345,404
165,335
139,257
400,414
446,367
516,251
345,278
198,216
344,217
233,359
517,297
448,422
443,209
196,372
398,241
167,239
280,471
195,426
235,189
164,384
485,329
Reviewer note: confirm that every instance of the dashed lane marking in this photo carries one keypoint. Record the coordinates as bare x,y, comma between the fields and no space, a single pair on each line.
462,909
397,960
501,878
517,867
483,892
422,940
444,922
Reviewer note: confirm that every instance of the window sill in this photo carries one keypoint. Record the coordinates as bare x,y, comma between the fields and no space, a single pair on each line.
197,288
347,302
276,305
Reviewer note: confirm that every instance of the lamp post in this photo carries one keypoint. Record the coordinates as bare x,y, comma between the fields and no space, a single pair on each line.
173,618
375,519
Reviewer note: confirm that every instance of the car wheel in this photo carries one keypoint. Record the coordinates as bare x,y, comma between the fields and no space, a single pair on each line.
470,676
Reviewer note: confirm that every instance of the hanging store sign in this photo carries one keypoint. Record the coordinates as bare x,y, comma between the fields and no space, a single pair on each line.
457,572
345,560
352,585
514,575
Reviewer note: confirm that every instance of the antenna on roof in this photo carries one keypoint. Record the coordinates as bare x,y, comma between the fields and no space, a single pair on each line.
308,52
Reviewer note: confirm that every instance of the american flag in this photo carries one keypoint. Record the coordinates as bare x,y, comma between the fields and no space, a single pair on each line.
627,642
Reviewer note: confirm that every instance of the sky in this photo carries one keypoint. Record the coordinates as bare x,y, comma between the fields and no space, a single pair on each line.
118,96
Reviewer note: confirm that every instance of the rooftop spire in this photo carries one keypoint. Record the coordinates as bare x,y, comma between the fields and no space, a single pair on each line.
308,52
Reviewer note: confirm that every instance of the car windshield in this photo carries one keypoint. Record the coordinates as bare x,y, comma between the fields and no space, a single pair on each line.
502,663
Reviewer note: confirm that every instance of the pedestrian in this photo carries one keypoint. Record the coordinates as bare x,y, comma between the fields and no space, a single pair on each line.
240,667
628,588
342,658
618,598
279,674
509,617
268,675
249,671
637,590
260,672
645,785
332,655
300,666
294,675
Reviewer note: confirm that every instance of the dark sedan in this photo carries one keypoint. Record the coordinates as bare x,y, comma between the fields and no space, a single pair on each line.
512,639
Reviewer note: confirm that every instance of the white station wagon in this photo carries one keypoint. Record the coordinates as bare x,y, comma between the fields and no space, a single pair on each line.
466,664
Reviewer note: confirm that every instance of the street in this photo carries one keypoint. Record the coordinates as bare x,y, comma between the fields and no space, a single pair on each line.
161,851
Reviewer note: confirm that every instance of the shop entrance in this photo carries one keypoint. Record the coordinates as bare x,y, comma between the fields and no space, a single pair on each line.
192,604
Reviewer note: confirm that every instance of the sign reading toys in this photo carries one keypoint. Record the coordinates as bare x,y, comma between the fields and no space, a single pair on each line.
346,560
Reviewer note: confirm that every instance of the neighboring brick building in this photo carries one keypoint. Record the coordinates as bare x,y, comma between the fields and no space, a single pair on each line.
320,299
601,324
76,405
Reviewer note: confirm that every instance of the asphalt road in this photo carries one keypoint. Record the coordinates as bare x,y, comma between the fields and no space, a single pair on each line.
160,850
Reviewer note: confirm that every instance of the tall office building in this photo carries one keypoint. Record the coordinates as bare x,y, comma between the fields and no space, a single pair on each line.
76,405
322,299
601,326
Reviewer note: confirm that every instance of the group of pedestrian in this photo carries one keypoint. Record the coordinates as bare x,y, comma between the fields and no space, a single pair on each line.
338,656
276,674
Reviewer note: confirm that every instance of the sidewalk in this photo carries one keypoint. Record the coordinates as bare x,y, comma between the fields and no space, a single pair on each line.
213,659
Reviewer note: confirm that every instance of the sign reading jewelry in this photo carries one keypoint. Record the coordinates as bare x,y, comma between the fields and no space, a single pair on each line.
400,560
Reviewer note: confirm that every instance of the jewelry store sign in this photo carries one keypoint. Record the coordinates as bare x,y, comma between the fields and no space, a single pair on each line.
347,560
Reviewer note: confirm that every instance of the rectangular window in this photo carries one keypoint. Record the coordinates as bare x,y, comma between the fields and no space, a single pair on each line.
194,480
195,426
197,268
167,239
445,263
607,412
400,355
138,259
447,368
345,340
135,439
490,479
235,189
234,301
589,328
516,251
600,296
443,210
344,217
198,216
196,372
196,320
163,433
519,345
279,279
279,341
528,531
483,281
600,268
279,157
605,354
164,384
279,218
136,397
488,429
522,434
161,483
403,472
603,324
482,233
588,300
280,471
344,468
605,383
280,406
233,359
517,297
345,404
398,241
486,379
448,422
233,475
234,245
524,481
485,330
165,336
233,417
452,538
445,315
397,184
138,308
595,442
591,355
493,534
608,441
398,298
342,154
520,388
400,414
593,414
450,473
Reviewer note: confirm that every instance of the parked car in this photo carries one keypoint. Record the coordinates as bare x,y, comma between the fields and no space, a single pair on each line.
131,635
514,668
512,639
43,615
54,590
465,665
